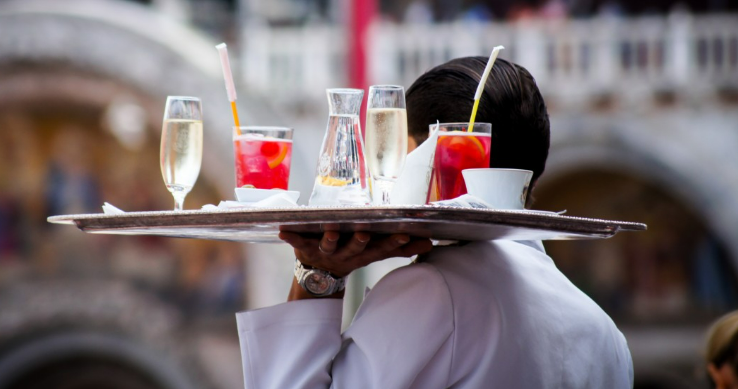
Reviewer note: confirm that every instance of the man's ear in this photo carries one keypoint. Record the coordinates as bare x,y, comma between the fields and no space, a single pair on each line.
529,196
411,144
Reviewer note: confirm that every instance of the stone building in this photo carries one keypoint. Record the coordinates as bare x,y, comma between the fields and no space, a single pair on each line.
644,125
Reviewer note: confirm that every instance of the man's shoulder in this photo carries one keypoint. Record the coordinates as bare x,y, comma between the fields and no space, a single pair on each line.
405,295
420,272
492,250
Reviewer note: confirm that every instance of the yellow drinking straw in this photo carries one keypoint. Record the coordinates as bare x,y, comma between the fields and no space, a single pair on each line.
482,82
230,86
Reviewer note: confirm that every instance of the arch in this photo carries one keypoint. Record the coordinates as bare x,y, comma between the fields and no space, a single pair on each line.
133,358
690,168
139,337
131,45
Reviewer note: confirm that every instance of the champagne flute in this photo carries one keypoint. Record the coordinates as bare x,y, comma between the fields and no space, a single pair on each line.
386,137
181,146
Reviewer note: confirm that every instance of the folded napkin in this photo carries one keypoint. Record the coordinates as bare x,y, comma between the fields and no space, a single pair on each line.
411,186
464,201
469,201
110,209
277,200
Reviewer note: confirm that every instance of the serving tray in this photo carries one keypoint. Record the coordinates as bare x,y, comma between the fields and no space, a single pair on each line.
434,222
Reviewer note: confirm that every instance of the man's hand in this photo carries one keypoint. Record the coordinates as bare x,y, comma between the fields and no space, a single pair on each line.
341,255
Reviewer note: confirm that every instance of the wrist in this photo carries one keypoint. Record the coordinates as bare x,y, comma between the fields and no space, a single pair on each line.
316,282
297,292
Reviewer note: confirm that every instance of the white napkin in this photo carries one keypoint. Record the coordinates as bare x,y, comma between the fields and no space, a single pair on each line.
464,201
412,185
469,201
278,200
110,209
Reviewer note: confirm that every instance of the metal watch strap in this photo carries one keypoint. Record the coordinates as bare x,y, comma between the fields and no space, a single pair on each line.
303,271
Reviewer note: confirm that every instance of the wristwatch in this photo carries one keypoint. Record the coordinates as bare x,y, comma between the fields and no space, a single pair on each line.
318,282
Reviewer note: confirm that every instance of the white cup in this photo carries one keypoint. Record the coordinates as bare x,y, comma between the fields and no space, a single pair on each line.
500,188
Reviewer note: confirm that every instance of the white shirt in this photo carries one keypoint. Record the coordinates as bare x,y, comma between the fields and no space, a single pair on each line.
495,314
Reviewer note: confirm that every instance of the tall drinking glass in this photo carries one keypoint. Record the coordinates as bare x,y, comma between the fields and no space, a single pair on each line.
386,138
181,146
456,150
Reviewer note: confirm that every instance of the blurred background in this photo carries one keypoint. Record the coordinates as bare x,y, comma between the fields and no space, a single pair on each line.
643,98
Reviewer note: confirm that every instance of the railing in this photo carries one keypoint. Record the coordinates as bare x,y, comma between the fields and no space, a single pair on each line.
571,59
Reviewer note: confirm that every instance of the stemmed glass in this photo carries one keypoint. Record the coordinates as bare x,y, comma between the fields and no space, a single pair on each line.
386,138
181,146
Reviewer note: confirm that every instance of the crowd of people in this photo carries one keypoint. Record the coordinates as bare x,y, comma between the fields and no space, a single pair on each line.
429,11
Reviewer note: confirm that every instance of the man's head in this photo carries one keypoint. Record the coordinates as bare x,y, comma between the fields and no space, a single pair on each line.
511,102
721,352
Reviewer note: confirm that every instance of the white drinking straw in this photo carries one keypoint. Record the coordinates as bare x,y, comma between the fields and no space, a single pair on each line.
482,82
229,84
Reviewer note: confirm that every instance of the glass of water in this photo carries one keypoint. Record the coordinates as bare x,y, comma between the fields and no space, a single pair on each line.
181,146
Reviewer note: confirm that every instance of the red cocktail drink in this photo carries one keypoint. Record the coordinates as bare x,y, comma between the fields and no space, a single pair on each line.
457,150
263,161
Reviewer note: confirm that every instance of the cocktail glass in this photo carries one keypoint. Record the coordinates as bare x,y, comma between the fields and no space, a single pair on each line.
262,157
456,150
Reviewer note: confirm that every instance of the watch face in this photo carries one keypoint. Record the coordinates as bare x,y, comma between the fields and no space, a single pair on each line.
317,283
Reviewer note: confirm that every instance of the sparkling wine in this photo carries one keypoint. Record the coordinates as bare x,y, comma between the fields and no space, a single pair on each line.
181,153
386,141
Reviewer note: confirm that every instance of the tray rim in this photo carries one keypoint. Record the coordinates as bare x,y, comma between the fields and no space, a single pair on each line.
302,215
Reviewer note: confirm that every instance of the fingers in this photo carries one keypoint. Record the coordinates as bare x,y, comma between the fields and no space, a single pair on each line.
295,240
355,245
343,255
415,247
329,242
381,249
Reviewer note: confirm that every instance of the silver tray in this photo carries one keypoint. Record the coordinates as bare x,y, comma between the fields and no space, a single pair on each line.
438,223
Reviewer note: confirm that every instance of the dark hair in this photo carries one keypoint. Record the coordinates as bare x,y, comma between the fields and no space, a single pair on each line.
721,346
511,102
727,355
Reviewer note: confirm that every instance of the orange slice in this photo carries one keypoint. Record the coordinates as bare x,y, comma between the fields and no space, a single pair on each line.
274,152
332,181
477,143
462,143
